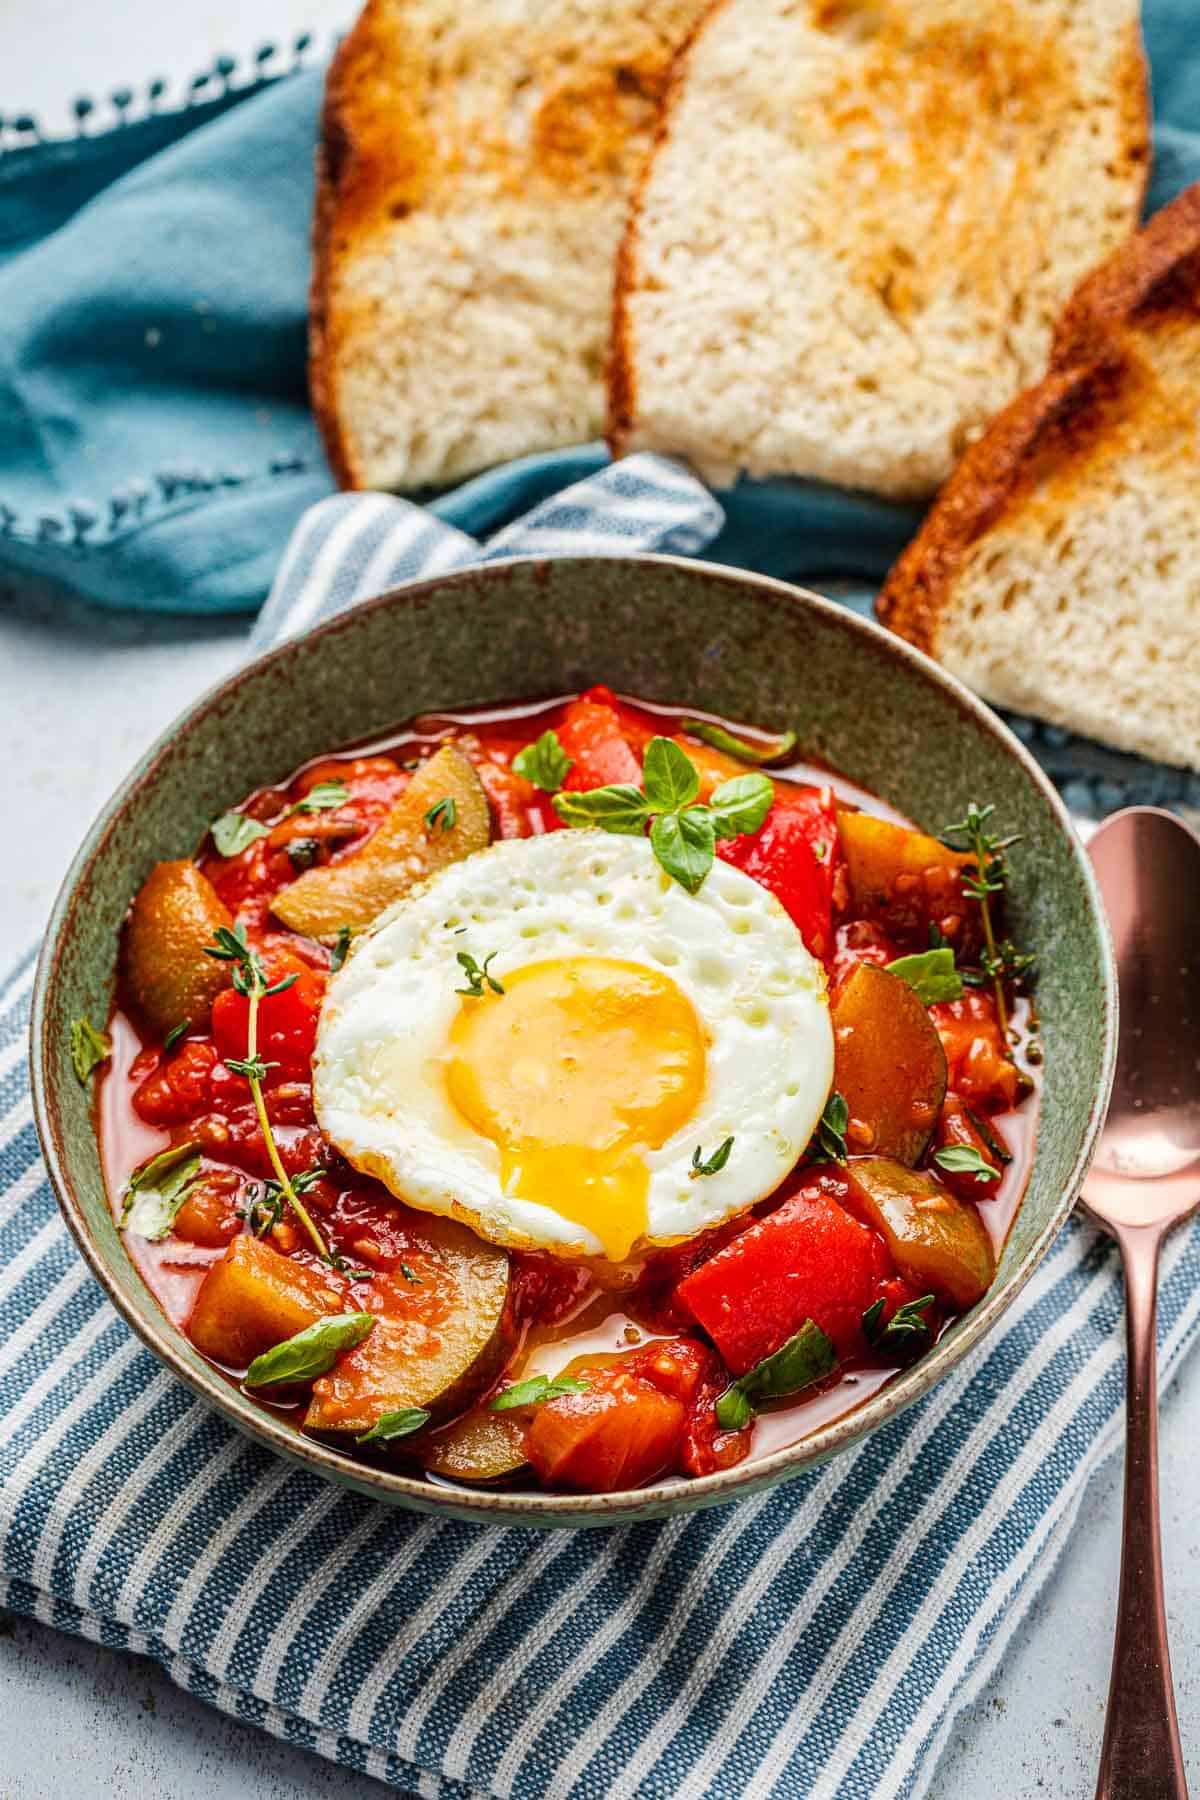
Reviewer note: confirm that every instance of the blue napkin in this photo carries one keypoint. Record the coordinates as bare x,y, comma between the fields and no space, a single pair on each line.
811,1643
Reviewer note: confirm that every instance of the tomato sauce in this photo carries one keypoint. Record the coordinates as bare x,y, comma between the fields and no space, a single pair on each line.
151,1097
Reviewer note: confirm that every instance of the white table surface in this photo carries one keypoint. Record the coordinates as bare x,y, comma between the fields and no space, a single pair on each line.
81,694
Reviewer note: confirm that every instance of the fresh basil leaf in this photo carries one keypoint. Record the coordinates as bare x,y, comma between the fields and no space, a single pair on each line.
931,975
684,844
715,1163
176,1032
323,797
829,1143
669,776
964,1159
805,1358
234,832
156,1191
905,1330
535,1391
720,739
741,805
311,1352
89,1048
620,808
341,949
545,763
395,1425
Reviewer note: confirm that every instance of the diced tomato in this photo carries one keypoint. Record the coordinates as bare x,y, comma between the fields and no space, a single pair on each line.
794,855
211,1214
653,1300
548,1290
862,940
980,1068
956,1127
591,735
619,1433
287,1021
518,808
179,1091
810,1259
692,1374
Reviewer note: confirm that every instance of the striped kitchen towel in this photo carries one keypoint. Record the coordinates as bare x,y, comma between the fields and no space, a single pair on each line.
815,1641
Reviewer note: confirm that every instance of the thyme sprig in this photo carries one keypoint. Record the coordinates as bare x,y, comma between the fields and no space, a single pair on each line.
1000,960
250,979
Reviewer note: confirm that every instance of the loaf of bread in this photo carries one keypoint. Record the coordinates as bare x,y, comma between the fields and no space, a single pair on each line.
1059,571
474,168
859,223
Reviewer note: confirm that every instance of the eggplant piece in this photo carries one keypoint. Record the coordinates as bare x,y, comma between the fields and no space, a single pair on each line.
171,922
936,1241
437,1343
441,817
254,1298
889,1065
478,1446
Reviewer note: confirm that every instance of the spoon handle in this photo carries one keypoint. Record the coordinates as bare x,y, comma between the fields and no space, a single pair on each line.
1141,1759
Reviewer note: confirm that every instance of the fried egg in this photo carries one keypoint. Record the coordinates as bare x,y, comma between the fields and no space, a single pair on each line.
623,1031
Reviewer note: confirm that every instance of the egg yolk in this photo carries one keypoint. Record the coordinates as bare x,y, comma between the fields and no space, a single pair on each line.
573,1072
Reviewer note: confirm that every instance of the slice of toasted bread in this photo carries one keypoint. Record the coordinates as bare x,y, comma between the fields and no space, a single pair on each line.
859,223
1059,571
472,182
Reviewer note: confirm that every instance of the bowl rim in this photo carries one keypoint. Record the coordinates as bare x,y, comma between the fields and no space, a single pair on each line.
531,1507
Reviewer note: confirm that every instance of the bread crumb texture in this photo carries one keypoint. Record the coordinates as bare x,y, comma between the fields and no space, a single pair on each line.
860,222
475,167
1059,571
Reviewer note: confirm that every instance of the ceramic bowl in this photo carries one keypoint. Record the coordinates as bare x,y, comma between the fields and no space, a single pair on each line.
665,630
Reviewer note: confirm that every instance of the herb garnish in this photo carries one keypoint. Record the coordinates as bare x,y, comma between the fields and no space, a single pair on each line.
234,832
535,1391
545,763
89,1048
311,1352
715,1163
1000,961
411,1275
398,1424
176,1032
829,1139
341,949
720,739
266,1205
477,975
905,1330
250,979
442,815
804,1359
683,833
156,1191
931,975
964,1159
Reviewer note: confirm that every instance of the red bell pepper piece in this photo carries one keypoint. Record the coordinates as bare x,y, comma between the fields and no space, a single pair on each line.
592,736
180,1090
809,1259
794,854
287,1021
980,1069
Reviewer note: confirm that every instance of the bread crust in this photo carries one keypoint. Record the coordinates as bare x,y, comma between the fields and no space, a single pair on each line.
335,147
621,388
1093,379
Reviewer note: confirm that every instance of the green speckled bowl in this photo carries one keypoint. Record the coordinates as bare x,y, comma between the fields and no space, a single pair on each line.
666,630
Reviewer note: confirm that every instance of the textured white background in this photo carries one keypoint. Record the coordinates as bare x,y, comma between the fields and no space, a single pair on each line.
81,694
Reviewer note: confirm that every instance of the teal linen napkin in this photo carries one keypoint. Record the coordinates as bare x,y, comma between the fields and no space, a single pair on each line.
156,447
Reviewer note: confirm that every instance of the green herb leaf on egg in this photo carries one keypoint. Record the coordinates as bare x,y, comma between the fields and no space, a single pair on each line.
669,776
711,1165
684,844
740,806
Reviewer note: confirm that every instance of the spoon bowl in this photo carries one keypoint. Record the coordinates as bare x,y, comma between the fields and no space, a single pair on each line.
1145,1179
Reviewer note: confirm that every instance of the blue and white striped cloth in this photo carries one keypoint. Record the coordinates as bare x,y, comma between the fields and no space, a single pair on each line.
815,1641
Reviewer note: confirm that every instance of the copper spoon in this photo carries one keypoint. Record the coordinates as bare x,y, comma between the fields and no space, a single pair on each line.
1145,1179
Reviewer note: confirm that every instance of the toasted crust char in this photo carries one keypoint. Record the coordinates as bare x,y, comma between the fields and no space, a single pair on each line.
622,395
1092,382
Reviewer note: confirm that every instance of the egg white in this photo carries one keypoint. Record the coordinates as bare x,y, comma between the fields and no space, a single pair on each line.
378,1071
